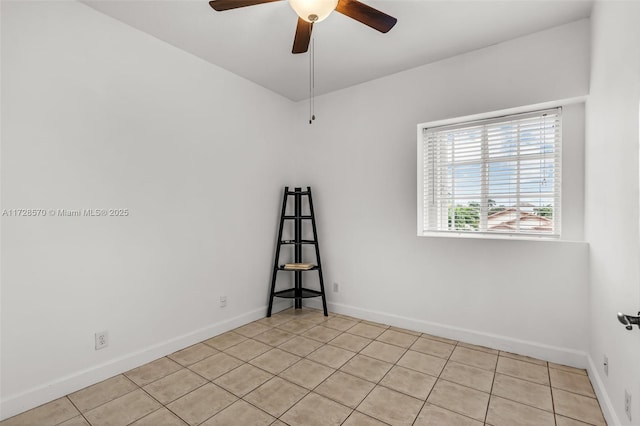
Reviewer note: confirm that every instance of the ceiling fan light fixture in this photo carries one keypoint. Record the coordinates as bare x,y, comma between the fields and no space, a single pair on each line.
313,10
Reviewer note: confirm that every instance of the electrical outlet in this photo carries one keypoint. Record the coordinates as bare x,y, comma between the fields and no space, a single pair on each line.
223,301
605,365
336,287
627,403
102,340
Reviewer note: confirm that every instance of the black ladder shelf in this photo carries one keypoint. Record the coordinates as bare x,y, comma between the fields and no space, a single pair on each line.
298,292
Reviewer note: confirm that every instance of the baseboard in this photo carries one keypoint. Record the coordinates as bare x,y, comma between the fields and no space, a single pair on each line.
16,404
555,354
603,397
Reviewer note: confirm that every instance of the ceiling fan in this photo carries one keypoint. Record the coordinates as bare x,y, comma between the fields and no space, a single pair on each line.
311,11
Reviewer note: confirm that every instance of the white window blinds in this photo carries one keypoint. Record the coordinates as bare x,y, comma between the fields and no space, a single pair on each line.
495,176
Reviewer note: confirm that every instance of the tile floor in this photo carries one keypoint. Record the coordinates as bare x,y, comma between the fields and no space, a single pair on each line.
301,368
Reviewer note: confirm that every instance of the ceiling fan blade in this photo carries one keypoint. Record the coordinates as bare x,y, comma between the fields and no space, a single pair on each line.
366,14
220,5
303,36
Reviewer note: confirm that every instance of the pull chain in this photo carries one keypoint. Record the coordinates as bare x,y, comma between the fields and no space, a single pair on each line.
312,82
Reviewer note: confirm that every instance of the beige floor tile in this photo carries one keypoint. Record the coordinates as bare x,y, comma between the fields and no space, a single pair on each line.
345,316
161,417
565,421
523,391
433,347
474,358
275,361
422,362
432,415
322,334
469,376
406,331
316,316
331,356
567,368
274,337
300,346
397,338
306,373
105,391
204,402
274,320
276,396
410,382
366,368
523,370
479,348
278,423
439,339
358,419
51,413
376,324
297,326
175,385
225,341
240,413
247,350
341,324
215,366
296,312
572,382
243,379
153,371
193,354
577,407
344,388
503,412
316,410
350,342
383,351
124,410
76,421
390,406
524,358
461,399
252,329
366,330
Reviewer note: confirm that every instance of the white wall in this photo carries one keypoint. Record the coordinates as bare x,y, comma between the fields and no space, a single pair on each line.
611,207
96,114
360,155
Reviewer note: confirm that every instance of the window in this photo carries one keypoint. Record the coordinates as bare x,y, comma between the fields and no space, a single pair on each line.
498,177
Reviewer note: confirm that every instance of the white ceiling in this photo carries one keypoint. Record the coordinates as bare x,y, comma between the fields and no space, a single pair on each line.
255,42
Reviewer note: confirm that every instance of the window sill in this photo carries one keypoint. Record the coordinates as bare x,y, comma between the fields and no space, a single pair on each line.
486,236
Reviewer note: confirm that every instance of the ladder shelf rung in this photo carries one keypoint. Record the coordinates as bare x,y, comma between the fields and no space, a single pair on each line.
298,217
282,268
299,192
300,242
304,293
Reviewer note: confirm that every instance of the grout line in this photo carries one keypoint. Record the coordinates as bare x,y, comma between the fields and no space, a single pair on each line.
107,402
76,407
486,414
553,405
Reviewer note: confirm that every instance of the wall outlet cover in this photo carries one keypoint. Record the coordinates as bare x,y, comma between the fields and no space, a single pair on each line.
101,340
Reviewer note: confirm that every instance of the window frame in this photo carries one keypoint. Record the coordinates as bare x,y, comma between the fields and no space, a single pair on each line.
489,118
